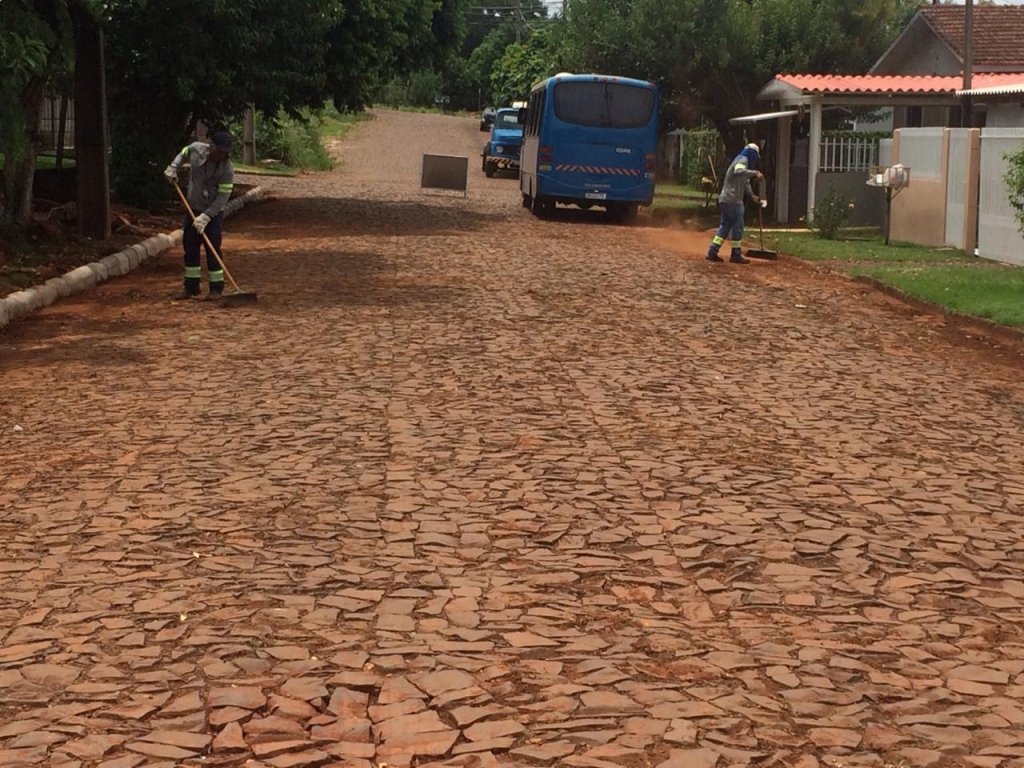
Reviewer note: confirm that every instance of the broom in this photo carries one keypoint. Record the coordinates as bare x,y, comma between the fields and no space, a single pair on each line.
237,296
762,252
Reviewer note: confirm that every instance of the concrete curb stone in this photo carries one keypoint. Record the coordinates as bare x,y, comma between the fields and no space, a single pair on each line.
21,303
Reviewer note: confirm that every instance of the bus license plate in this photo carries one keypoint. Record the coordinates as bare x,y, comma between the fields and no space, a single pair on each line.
596,196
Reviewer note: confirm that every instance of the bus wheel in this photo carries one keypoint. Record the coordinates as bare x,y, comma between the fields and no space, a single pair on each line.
490,169
541,207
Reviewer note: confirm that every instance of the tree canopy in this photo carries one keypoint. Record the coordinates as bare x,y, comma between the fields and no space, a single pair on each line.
172,64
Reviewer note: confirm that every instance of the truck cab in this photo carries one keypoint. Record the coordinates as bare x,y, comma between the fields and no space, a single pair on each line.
501,152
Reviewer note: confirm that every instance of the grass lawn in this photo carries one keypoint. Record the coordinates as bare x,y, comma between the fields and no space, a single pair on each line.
992,291
48,161
944,276
677,197
862,245
337,124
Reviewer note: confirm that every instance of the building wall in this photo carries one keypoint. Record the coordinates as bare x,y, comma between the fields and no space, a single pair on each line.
918,52
1005,116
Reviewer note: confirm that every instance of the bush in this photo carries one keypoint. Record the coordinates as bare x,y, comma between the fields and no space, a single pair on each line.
698,146
1014,179
294,141
424,87
831,214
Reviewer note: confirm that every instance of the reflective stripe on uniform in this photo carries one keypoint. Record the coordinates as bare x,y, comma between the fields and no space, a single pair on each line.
217,276
225,187
717,240
184,152
193,272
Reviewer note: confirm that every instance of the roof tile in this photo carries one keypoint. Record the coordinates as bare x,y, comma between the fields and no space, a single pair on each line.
895,85
997,33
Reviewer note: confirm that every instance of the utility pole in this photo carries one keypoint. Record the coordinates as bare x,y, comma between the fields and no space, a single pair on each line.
519,21
967,106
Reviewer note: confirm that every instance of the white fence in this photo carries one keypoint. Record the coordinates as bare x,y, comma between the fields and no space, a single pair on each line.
998,234
840,154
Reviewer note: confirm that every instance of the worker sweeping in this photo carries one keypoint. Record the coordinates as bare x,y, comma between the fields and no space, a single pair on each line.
211,179
735,188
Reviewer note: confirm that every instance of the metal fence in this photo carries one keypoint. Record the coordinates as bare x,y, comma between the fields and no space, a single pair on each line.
49,124
840,154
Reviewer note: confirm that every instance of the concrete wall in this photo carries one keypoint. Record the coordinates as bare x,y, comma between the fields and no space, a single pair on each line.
919,211
868,202
999,236
961,199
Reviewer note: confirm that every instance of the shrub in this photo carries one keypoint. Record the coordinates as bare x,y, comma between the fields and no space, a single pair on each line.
424,86
831,215
294,141
1014,179
698,146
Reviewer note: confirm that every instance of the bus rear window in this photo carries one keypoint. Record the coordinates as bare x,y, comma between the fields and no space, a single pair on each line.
604,105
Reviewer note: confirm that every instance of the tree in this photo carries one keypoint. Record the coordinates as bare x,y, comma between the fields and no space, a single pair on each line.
179,63
711,57
35,52
523,64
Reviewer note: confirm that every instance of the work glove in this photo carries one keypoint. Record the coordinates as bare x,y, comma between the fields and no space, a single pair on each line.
200,223
171,174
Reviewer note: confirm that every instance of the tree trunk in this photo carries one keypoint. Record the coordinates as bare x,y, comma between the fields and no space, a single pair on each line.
91,134
20,160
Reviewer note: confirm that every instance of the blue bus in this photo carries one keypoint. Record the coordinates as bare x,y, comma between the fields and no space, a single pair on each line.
589,140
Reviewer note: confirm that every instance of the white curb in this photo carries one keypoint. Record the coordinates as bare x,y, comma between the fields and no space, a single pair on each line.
21,303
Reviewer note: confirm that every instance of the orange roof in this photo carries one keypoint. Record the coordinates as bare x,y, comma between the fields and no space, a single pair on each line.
893,85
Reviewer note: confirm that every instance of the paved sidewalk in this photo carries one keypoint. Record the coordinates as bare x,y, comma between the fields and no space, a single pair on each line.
467,488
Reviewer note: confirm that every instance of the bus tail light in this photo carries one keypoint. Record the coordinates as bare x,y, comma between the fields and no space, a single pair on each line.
546,154
649,161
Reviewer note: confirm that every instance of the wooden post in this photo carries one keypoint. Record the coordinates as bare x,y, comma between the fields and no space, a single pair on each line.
91,138
249,136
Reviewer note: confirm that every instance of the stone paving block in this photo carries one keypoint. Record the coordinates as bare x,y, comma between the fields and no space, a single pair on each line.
439,500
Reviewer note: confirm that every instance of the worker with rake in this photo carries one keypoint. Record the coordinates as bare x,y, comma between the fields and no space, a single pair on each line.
211,179
735,188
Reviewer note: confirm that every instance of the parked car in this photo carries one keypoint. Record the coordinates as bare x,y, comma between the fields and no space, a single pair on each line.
487,118
501,153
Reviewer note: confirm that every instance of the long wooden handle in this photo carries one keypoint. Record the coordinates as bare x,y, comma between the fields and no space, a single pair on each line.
206,240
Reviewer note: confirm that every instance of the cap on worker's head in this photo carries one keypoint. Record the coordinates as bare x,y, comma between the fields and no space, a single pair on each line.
222,141
753,147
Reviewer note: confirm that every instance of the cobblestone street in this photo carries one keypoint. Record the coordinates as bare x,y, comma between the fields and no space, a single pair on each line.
468,488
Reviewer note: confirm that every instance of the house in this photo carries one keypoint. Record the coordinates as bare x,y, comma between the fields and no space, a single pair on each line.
933,44
919,79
